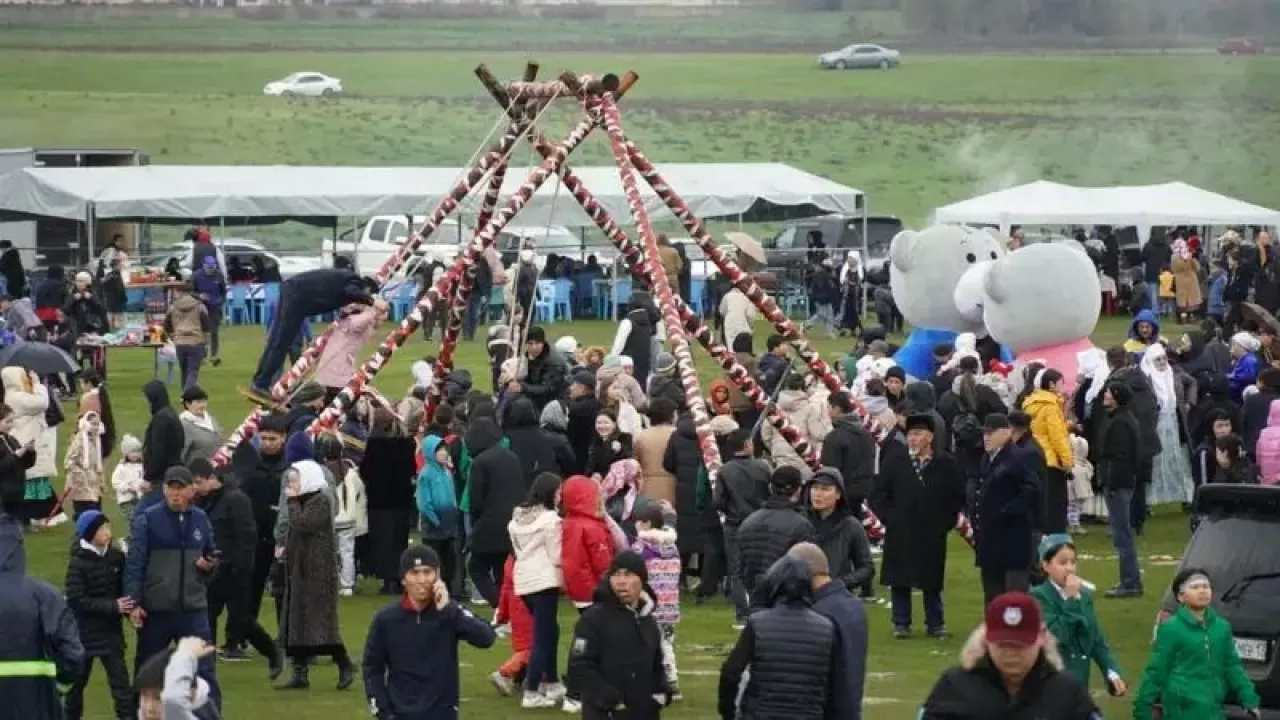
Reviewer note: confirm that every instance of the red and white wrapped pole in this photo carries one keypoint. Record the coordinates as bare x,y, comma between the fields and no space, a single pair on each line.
661,286
346,397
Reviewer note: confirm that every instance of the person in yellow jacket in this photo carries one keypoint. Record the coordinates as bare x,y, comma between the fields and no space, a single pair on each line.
1047,409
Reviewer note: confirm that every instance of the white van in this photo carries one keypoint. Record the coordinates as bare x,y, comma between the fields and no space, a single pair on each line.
380,238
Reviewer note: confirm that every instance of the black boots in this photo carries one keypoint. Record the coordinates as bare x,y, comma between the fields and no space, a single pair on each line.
299,681
275,665
346,675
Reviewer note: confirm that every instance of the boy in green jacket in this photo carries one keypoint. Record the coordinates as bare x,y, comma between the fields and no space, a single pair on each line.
1067,606
1194,665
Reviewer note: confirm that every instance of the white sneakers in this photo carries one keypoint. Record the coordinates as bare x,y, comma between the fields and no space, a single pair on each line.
571,706
536,701
502,684
555,691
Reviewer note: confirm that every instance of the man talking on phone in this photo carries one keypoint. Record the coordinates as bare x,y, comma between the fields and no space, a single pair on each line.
171,556
411,655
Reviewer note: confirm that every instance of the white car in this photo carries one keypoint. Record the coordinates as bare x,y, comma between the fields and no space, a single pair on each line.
242,249
860,56
311,84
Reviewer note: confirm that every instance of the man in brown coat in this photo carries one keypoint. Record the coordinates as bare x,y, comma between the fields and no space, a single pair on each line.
672,263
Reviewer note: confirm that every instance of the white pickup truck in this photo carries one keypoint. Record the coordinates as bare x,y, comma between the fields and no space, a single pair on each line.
379,238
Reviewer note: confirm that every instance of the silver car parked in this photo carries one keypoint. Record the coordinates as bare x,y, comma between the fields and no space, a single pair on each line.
860,56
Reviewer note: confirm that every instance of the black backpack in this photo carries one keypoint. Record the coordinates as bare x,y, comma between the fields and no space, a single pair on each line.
966,426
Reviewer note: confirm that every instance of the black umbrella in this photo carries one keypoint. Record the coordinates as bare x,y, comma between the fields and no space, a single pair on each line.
40,358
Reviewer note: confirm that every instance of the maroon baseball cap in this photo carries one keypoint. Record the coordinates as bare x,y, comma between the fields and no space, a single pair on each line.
1013,619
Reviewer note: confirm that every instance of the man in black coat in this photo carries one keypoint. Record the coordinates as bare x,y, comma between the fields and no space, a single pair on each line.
582,408
94,589
259,472
314,292
849,448
1002,510
743,487
838,531
616,654
768,533
1119,453
497,486
232,516
849,615
546,374
1146,411
773,364
1025,443
388,470
1009,652
918,495
791,650
162,443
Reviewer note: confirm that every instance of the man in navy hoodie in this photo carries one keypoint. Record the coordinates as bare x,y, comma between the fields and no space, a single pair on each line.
834,601
171,556
411,655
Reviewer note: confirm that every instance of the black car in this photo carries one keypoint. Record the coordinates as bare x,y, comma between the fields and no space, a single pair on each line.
792,251
1238,545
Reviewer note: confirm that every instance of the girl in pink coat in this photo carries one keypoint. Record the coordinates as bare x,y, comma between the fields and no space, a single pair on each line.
352,329
1268,448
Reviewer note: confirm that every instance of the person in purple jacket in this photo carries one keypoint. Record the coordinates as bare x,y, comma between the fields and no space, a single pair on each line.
211,287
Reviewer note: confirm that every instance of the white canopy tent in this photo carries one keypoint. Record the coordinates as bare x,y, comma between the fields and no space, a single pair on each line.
1044,202
183,193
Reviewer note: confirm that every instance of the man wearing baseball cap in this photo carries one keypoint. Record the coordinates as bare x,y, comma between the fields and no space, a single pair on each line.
1010,667
1004,503
768,533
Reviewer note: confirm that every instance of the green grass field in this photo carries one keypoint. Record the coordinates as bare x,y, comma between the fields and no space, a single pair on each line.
900,671
940,129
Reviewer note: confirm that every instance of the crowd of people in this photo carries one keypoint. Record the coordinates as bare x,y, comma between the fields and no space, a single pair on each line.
579,475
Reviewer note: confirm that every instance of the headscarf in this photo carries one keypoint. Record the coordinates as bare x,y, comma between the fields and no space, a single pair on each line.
90,442
623,476
1093,366
1181,249
554,417
1162,381
311,477
1247,341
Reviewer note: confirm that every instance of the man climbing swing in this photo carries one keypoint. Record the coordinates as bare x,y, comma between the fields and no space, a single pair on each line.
314,292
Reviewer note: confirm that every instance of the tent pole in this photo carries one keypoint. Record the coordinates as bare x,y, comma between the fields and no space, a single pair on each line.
90,221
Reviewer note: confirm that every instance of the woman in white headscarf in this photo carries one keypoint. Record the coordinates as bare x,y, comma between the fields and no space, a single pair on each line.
1094,372
1171,472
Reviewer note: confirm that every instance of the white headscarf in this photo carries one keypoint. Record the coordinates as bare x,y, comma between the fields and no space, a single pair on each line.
1162,381
1093,366
311,476
1247,341
966,345
90,442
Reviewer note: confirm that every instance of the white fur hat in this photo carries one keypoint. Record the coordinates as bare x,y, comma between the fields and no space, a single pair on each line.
567,344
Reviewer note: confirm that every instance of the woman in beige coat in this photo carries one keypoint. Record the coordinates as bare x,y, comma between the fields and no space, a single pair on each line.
1186,279
807,411
651,449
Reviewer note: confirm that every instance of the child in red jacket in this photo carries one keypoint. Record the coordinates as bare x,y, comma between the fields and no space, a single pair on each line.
586,548
513,611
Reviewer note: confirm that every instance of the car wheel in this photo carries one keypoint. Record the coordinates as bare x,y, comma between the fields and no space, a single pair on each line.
286,93
884,64
840,65
328,92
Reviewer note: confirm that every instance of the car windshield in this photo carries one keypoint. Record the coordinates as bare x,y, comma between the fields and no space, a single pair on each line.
1242,555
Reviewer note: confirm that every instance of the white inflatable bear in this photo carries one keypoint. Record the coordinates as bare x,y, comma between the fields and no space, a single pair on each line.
1042,302
925,270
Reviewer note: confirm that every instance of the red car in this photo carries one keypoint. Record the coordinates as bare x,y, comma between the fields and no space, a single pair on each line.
1241,46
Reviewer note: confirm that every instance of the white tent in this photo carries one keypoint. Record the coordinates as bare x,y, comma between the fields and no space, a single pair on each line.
1044,202
182,193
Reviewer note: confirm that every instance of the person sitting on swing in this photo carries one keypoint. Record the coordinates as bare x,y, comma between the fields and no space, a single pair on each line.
307,294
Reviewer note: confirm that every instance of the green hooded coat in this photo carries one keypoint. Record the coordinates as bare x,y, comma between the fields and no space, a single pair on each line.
1193,669
1074,625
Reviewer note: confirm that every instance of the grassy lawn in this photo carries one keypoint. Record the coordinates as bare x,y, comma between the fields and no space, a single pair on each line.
935,131
900,671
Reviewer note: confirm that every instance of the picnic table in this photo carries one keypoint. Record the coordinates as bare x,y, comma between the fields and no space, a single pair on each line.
97,354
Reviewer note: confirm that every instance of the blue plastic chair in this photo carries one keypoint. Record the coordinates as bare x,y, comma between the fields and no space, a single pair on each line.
562,298
497,303
403,300
238,310
270,301
698,296
545,306
619,297
135,300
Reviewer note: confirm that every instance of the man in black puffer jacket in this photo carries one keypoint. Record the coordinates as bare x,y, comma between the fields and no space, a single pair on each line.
497,484
768,533
743,488
791,651
850,449
162,442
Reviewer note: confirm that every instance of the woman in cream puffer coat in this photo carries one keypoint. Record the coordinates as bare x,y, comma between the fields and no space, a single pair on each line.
807,411
535,542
